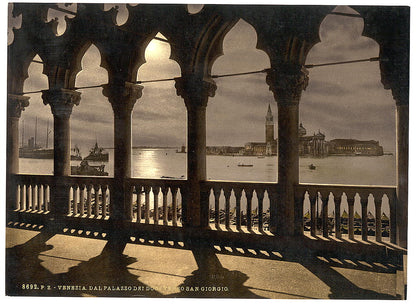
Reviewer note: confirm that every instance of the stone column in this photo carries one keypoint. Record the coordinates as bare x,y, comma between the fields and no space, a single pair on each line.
402,162
287,81
61,101
15,105
195,92
122,99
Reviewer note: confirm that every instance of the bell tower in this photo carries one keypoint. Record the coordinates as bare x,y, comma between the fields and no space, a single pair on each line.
269,126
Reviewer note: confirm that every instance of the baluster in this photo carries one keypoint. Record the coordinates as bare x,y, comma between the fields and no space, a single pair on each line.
105,200
249,197
41,201
22,197
81,199
28,193
337,201
165,204
39,197
325,198
75,199
147,205
156,191
174,192
227,195
364,216
350,201
89,200
377,203
260,197
96,200
313,200
33,195
139,203
217,193
237,194
46,197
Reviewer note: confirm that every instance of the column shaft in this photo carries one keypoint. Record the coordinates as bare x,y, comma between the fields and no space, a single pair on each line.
15,105
195,91
61,102
287,81
402,135
122,98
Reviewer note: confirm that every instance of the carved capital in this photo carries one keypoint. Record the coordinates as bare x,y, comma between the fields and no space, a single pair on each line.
61,101
122,97
195,90
287,81
16,104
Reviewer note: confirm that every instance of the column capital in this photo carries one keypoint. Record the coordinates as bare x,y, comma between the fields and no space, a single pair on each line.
122,96
61,101
16,104
287,81
195,90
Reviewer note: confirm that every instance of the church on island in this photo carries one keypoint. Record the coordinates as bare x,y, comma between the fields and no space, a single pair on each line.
309,145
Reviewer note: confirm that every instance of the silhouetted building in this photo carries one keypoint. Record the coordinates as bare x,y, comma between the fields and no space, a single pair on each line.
355,147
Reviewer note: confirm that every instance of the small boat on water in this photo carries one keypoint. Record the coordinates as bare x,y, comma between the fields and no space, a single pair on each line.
312,167
90,170
244,165
170,177
97,154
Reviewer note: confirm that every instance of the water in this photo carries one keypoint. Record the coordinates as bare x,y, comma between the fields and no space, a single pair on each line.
155,163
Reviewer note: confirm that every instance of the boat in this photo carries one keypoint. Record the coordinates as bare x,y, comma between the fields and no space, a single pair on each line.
97,154
311,166
35,152
75,154
32,150
244,165
171,177
260,157
91,170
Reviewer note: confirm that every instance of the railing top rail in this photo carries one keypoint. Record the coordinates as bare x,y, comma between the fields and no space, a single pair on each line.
156,182
88,180
29,178
325,185
239,184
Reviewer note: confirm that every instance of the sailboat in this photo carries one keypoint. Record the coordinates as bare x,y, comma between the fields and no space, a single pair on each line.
33,150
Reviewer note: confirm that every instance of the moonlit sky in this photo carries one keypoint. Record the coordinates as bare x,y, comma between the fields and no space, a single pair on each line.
343,101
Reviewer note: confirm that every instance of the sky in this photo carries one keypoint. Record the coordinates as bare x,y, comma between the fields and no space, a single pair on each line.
342,101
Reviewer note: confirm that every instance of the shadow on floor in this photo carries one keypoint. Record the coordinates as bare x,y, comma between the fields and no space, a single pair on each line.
101,275
211,279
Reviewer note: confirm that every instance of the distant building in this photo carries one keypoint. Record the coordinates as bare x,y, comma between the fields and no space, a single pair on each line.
309,145
355,147
269,147
312,145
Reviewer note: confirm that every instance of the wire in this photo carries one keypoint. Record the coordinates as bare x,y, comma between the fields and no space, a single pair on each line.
218,76
346,14
343,62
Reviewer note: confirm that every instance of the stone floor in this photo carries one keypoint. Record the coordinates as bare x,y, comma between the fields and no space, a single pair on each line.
47,264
